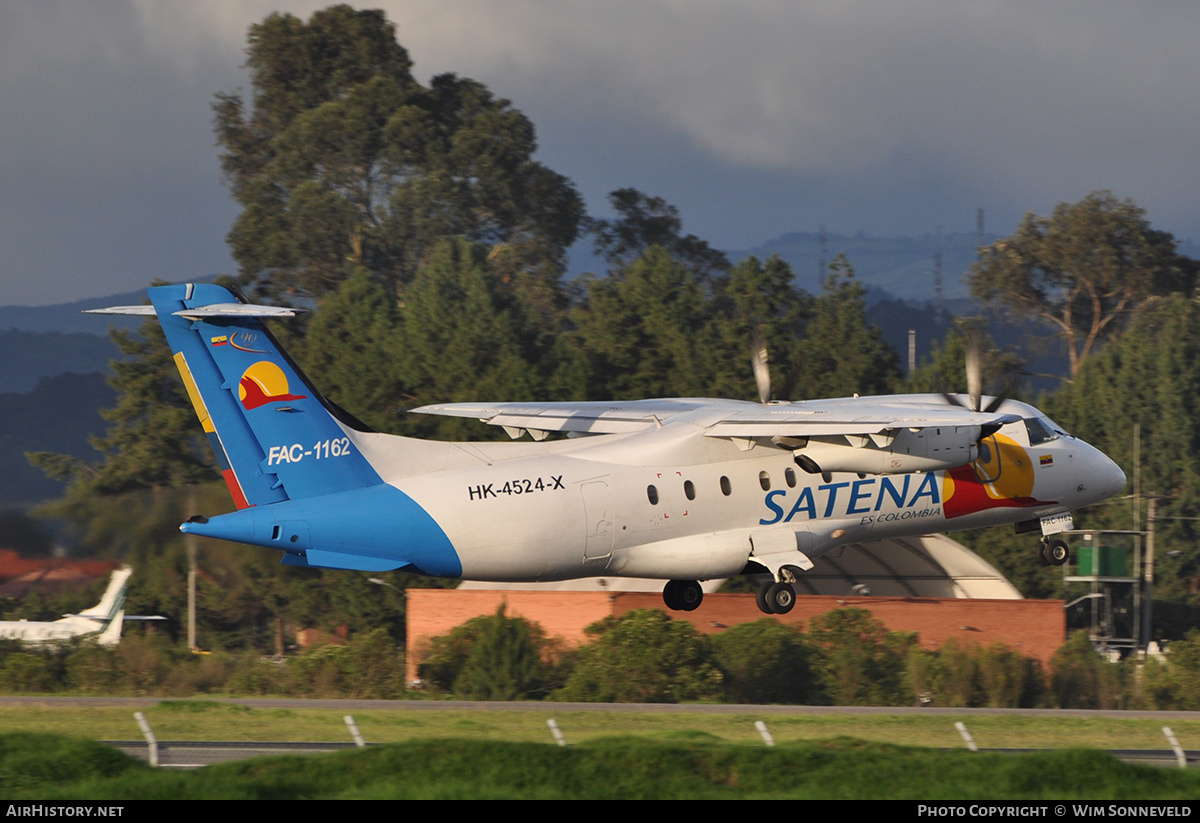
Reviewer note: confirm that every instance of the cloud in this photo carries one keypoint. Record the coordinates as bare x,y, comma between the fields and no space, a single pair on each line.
755,118
1020,100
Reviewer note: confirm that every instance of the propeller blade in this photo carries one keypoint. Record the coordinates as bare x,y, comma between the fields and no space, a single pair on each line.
996,403
762,371
974,372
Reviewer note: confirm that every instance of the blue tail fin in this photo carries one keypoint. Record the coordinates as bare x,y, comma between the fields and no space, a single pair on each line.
274,437
298,479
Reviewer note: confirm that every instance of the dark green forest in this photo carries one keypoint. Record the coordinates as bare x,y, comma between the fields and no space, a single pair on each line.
415,223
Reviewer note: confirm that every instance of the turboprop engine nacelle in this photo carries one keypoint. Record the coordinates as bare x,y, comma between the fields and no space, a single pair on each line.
893,451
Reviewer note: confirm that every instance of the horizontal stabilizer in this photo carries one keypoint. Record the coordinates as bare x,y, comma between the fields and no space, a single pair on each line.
237,310
215,310
132,311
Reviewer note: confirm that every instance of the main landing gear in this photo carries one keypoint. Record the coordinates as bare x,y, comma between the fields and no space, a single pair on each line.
775,598
683,595
778,597
1053,552
772,598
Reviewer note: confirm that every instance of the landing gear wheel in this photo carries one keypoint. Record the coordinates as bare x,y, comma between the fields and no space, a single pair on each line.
760,598
781,597
1053,552
683,595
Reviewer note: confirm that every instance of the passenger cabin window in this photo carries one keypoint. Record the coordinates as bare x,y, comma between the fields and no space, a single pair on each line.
789,475
652,495
689,489
764,480
726,489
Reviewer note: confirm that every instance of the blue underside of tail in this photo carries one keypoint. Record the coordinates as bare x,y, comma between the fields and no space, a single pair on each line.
376,529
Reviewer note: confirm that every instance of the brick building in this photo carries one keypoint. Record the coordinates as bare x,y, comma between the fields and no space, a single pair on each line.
930,585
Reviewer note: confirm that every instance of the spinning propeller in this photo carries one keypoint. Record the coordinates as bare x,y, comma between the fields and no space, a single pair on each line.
975,341
762,369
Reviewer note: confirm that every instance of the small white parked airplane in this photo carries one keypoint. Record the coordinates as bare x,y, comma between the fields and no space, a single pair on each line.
684,489
105,619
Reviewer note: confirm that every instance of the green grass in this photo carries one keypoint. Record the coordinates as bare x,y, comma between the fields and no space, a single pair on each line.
696,765
214,720
49,751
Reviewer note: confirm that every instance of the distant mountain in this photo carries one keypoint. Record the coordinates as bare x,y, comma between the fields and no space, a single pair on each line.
57,416
902,266
27,357
69,317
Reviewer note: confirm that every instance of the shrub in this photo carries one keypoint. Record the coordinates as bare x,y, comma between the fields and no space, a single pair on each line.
495,657
643,657
860,662
1083,679
766,662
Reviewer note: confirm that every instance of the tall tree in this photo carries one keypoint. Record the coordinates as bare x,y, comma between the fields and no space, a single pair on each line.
842,354
1148,381
1082,270
352,352
648,332
759,302
343,160
467,335
643,221
154,441
945,368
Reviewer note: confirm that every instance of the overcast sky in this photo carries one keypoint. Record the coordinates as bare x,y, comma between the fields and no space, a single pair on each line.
754,118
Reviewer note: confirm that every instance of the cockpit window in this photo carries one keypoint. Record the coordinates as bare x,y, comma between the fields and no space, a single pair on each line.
1055,427
1041,431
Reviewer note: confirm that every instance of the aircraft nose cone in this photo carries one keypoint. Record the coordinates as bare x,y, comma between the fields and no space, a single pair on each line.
1111,478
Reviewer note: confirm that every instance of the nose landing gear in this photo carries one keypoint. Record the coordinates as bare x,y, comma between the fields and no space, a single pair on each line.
1053,552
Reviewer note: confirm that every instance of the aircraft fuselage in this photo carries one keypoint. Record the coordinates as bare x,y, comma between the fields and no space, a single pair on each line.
585,508
680,489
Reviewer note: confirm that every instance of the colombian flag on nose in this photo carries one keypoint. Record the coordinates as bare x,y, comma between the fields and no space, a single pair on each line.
262,383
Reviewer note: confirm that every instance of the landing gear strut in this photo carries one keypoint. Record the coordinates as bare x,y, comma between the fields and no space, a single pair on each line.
1053,552
683,595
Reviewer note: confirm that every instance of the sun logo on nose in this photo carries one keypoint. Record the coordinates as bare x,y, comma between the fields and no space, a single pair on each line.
264,382
1002,476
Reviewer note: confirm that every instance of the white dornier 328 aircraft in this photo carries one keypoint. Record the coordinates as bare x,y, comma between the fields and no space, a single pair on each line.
683,490
102,621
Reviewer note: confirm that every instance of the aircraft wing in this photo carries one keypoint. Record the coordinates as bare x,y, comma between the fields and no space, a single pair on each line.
599,417
737,419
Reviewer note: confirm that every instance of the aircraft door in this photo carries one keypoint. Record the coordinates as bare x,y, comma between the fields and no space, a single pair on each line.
598,520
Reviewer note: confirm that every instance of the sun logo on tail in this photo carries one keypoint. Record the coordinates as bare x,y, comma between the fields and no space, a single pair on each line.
262,383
